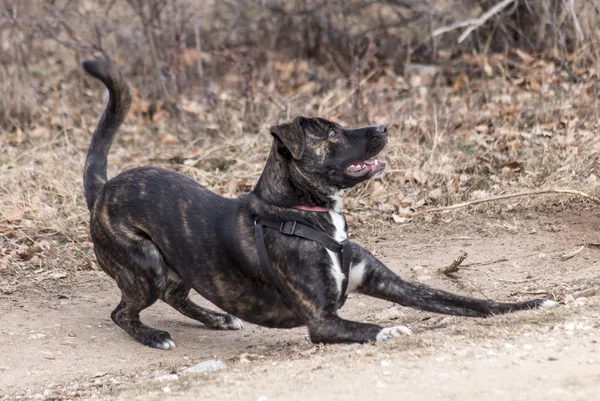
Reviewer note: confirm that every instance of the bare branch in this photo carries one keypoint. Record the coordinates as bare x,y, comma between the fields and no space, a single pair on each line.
454,266
472,23
502,197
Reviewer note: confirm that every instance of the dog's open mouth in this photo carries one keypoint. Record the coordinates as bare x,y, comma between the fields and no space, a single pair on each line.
365,167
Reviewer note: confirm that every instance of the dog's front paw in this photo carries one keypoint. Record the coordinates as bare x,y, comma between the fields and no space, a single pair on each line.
390,332
548,304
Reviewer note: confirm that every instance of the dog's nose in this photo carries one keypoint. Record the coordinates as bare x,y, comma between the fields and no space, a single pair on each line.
381,129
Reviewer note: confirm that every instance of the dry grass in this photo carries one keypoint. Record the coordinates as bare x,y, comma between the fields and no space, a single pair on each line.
479,126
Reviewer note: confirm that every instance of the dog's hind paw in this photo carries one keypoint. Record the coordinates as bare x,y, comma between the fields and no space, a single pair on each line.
229,322
548,304
157,339
390,332
233,323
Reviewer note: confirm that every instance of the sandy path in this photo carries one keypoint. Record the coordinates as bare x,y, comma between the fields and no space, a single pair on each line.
61,344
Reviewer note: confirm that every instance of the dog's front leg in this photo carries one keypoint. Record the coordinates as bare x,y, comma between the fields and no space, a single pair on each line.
331,328
314,303
370,276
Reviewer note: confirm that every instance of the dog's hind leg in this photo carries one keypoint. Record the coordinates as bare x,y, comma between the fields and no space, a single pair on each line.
141,275
371,277
176,294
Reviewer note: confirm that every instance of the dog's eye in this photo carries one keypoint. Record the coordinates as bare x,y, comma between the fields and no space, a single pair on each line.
331,133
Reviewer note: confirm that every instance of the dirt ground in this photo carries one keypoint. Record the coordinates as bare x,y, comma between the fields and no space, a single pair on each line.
59,343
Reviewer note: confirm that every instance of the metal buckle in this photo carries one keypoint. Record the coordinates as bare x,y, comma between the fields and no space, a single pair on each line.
291,232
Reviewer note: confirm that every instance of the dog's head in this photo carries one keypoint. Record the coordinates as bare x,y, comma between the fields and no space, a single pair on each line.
328,157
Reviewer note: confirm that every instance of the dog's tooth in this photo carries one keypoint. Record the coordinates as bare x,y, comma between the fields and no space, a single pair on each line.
376,162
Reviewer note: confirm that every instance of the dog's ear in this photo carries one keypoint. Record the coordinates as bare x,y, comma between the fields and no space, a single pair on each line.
292,136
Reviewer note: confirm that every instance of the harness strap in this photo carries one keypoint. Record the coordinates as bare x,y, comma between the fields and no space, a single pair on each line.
300,230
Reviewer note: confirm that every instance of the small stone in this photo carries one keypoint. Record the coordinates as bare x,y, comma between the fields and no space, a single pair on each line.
166,389
167,378
206,367
307,352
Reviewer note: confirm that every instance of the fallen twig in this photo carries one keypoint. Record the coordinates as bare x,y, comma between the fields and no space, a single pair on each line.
532,292
571,254
453,267
501,197
491,262
590,292
518,281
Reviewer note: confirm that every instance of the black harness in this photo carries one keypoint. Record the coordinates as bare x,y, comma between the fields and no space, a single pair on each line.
343,249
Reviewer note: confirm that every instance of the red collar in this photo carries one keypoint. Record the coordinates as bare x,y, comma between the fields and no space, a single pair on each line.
312,208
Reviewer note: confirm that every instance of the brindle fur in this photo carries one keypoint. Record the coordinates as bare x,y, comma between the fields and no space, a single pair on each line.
159,234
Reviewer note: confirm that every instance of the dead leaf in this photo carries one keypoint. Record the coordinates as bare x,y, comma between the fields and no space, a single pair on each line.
16,138
39,132
306,87
488,69
167,139
435,194
29,252
232,186
190,56
145,106
535,85
482,128
513,165
12,215
377,189
400,219
461,82
526,57
416,175
518,81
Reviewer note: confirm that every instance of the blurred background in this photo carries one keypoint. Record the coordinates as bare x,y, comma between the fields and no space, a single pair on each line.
481,98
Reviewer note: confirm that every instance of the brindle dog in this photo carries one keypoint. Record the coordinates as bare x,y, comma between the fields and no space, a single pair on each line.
159,234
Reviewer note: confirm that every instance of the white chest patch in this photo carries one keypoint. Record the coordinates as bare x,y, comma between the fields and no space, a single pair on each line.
357,273
339,235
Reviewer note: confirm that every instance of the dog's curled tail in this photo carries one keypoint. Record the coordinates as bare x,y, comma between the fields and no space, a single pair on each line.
94,175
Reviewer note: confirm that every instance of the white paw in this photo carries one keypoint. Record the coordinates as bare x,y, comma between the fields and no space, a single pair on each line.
235,324
166,345
390,332
230,322
549,304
